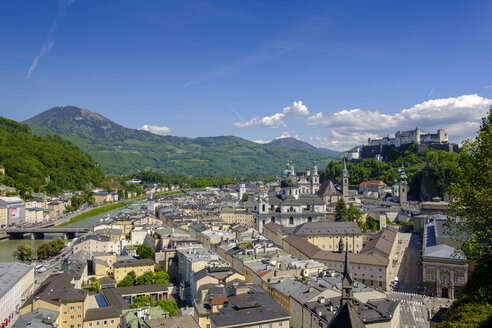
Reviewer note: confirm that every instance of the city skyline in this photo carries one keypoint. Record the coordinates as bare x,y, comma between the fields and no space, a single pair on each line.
331,75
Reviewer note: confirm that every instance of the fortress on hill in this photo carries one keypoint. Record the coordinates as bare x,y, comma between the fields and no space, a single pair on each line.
376,147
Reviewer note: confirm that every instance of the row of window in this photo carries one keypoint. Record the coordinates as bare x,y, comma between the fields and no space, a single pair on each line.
458,280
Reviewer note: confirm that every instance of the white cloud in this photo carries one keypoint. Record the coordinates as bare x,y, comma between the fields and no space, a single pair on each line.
285,134
460,117
288,134
50,39
260,141
297,108
273,121
161,130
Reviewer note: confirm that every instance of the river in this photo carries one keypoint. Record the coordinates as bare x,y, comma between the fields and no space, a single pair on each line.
8,246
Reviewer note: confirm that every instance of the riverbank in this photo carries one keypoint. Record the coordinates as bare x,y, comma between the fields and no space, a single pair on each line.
110,207
93,212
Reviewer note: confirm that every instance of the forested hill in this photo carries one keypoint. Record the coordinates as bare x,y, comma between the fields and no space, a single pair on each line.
49,163
429,172
120,150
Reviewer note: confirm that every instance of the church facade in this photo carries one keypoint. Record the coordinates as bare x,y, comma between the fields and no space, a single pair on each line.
296,203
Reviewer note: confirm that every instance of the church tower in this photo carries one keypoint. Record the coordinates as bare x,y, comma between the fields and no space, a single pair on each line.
403,185
347,293
314,181
345,179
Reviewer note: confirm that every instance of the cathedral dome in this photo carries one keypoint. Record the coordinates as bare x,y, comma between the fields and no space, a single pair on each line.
289,182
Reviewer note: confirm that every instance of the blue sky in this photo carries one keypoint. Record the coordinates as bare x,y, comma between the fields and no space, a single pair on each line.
331,73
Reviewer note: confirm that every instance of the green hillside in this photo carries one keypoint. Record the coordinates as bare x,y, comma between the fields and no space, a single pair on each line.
429,172
50,163
120,150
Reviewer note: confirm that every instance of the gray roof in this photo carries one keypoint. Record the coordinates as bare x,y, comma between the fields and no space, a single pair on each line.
288,286
108,312
132,263
186,321
41,318
327,228
11,273
249,308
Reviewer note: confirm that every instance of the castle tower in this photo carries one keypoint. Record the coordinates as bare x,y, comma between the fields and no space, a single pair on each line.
402,179
345,179
314,181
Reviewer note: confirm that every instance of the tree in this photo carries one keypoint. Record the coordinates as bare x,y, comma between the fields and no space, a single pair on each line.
471,194
470,221
145,279
95,286
44,251
341,211
142,301
57,245
128,281
161,277
169,306
145,252
24,252
245,197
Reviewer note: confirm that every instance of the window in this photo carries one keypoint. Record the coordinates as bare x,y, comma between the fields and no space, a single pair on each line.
105,322
459,280
79,325
79,307
90,324
380,284
380,270
64,322
72,317
430,277
291,220
98,323
79,316
65,312
72,308
112,321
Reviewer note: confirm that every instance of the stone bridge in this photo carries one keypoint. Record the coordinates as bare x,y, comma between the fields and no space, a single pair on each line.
39,232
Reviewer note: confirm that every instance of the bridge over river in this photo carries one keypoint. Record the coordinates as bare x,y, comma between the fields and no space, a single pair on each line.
39,232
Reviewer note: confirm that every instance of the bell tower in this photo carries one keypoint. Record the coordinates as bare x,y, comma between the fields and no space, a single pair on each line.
403,186
345,179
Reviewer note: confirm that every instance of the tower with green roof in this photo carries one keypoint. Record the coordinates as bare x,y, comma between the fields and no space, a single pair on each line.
345,179
403,186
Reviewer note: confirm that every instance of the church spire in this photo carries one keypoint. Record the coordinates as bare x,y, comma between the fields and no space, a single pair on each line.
344,169
347,296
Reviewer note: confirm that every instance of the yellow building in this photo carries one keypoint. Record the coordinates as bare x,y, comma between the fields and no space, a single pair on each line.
3,216
236,216
122,268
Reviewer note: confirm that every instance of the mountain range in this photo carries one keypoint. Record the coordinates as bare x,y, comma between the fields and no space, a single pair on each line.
301,145
120,150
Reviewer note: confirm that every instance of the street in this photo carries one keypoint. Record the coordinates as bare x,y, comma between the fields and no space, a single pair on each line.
409,268
415,309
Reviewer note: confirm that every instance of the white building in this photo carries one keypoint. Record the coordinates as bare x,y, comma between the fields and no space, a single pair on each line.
16,209
16,285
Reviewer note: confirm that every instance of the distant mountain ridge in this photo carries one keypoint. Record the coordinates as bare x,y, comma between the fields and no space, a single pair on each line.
120,150
301,145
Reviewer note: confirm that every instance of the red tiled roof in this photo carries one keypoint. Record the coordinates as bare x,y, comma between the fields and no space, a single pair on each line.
218,300
373,183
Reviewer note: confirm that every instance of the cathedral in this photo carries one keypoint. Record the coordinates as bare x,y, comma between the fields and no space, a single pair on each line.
296,201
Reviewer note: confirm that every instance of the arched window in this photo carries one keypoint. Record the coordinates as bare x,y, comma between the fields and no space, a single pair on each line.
264,207
291,220
291,209
310,219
